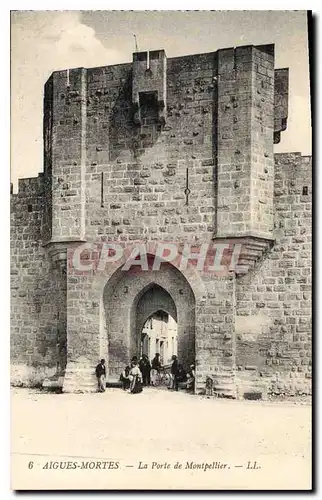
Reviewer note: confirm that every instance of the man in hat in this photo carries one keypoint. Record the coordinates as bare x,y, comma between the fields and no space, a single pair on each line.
100,375
145,368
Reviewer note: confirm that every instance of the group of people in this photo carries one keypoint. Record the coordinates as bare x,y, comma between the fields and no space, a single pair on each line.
132,377
142,373
147,374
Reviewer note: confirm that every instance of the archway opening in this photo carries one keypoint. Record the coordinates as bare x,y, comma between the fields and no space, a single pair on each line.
130,300
159,335
156,323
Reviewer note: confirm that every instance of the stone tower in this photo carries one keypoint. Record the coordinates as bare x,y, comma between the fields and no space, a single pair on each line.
168,149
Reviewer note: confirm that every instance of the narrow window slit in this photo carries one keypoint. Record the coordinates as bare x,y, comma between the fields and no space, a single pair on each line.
29,208
187,190
102,189
305,191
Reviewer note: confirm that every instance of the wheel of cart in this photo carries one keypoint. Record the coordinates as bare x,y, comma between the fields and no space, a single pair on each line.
165,376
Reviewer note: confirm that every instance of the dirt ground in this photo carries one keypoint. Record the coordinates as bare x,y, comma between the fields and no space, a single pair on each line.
158,439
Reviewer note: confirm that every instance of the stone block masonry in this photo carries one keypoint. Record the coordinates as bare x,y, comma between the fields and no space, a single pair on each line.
245,167
166,149
38,292
273,307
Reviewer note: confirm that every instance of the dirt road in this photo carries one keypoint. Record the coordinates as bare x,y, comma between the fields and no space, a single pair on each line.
158,439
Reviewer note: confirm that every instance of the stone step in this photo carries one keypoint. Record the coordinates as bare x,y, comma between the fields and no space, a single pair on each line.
225,391
53,384
225,378
113,383
79,378
254,389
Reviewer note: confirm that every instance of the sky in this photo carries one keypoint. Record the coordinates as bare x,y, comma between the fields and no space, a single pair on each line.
46,41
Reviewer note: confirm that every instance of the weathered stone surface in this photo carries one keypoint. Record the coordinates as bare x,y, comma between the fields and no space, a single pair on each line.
118,173
281,83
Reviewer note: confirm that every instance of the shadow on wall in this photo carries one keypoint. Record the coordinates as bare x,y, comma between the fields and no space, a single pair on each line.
132,131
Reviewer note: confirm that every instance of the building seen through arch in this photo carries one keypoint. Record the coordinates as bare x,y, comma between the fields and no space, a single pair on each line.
159,335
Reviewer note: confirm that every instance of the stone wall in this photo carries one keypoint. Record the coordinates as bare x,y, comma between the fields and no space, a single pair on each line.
280,102
38,292
136,175
215,340
273,307
120,167
245,169
118,178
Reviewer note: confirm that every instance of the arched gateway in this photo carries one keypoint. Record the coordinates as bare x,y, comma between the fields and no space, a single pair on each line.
130,298
121,302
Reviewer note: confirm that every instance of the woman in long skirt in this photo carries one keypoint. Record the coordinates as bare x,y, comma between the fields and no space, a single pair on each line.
136,378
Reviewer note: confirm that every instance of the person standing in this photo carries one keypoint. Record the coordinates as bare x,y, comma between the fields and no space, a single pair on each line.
174,373
155,369
145,368
135,376
101,375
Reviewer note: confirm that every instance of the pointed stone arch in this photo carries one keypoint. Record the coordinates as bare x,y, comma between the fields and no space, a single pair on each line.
153,298
121,321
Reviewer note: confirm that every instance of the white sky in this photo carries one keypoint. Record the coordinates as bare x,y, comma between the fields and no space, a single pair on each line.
44,41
